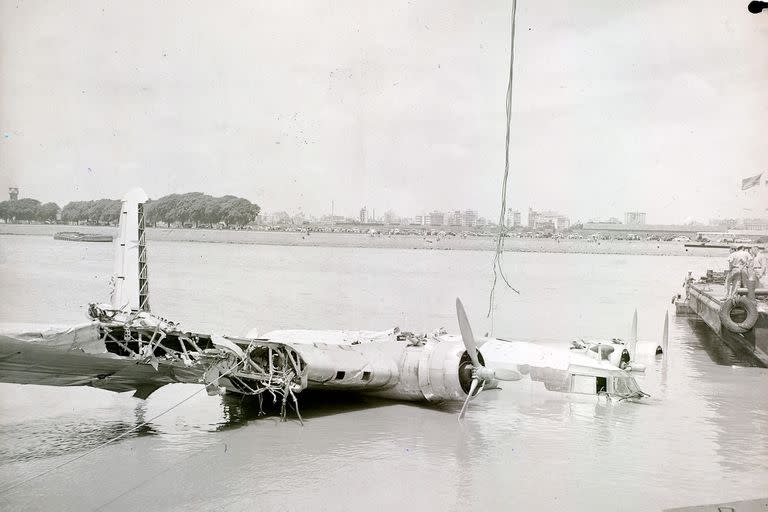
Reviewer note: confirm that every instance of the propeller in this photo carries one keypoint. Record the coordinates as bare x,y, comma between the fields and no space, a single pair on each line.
662,349
632,346
480,373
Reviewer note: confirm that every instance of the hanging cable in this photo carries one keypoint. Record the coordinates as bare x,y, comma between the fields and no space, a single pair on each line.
116,438
497,258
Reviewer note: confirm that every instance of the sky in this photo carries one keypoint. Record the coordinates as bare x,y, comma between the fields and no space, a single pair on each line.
654,106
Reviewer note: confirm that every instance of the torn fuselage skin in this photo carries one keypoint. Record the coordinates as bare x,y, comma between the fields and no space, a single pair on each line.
238,365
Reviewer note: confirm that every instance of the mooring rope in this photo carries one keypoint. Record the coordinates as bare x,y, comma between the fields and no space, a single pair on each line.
497,258
116,438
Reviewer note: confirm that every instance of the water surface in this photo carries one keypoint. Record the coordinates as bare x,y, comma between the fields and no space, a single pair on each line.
701,437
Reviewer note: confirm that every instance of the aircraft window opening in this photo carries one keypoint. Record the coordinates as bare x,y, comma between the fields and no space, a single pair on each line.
340,375
366,376
601,385
585,384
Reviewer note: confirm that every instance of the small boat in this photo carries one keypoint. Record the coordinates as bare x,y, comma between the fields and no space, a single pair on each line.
74,236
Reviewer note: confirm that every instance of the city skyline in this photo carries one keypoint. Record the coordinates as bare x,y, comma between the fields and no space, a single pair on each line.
398,105
514,217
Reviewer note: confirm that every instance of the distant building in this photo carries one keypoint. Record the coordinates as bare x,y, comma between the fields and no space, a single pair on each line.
391,218
634,218
724,223
547,220
332,219
756,224
514,218
532,215
420,220
454,219
13,192
276,218
469,218
436,218
363,215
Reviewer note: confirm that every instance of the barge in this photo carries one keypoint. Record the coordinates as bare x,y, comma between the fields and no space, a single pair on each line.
741,321
74,236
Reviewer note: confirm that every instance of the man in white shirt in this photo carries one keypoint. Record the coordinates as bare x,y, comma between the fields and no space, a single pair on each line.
759,265
737,264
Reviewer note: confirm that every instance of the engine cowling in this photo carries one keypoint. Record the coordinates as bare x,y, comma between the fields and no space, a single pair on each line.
435,371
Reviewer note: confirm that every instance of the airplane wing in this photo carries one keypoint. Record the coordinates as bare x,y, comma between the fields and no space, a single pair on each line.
77,356
552,367
330,337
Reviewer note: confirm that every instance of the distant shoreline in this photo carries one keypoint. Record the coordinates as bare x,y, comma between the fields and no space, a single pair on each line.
353,240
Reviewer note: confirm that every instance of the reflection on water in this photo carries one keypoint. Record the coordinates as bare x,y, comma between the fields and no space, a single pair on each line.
63,432
702,436
719,352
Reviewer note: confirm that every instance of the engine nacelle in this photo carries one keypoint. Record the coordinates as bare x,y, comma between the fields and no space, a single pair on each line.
435,371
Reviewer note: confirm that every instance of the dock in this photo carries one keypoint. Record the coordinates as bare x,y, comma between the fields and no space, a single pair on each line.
707,300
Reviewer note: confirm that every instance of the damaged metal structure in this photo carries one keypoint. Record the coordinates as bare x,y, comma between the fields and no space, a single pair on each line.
125,347
141,352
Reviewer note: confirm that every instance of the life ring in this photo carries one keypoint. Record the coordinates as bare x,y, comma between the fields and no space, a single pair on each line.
748,306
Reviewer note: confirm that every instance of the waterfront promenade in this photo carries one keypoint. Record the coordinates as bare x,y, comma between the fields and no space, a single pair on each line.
417,242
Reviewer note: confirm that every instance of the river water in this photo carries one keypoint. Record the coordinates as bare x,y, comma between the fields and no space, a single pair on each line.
702,436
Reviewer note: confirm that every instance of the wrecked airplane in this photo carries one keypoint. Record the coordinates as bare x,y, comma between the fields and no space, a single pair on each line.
126,347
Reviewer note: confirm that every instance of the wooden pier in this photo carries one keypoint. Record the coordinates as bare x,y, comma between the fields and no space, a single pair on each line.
707,300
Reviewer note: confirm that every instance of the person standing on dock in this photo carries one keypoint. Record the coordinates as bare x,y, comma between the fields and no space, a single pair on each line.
729,270
759,265
737,263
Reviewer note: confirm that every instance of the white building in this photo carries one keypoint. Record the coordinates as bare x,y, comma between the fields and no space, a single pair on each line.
634,218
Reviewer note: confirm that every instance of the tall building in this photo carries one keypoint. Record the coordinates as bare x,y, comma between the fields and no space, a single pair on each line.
13,192
363,215
436,218
469,218
514,219
532,216
391,218
634,218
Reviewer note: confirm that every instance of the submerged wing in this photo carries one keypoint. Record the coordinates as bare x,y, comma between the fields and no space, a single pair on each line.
77,356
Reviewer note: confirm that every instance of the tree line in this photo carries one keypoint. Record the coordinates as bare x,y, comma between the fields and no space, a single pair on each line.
193,208
28,210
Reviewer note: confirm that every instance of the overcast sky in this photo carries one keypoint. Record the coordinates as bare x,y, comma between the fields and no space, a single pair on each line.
657,106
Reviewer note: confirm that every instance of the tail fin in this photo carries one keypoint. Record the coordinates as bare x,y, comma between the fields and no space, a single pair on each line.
131,286
632,348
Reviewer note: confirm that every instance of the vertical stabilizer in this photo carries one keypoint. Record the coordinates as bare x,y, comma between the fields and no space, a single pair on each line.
633,337
131,286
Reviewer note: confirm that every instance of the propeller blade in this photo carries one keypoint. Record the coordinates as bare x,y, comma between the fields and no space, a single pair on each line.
632,348
469,397
506,374
466,334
